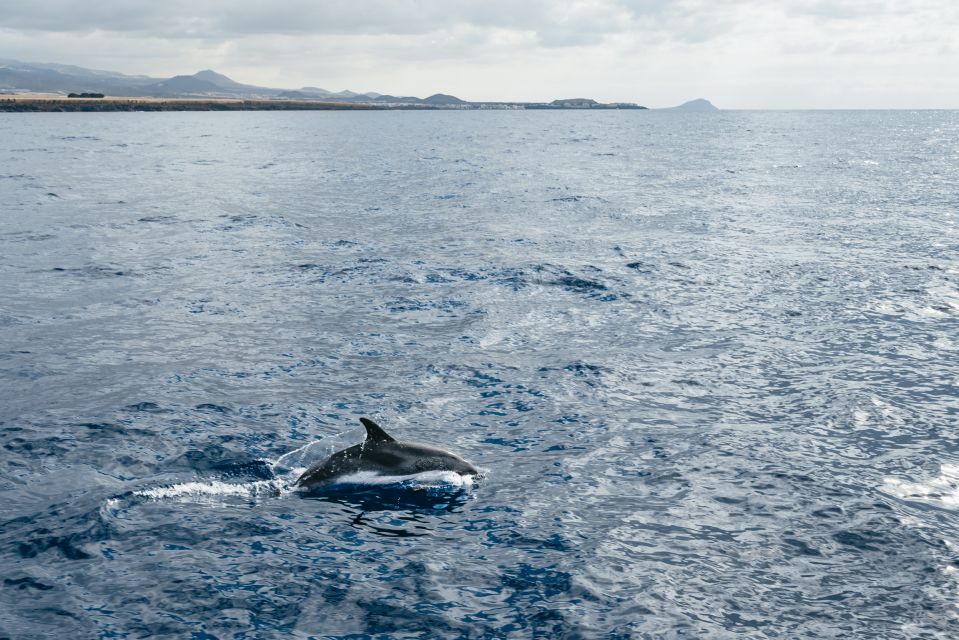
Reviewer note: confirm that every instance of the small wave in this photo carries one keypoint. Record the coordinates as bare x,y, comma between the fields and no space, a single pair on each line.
943,490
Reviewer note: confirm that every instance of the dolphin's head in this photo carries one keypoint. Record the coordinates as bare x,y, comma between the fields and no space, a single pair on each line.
422,457
463,467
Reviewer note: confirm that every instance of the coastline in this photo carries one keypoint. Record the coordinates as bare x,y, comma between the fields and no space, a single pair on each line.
39,103
20,104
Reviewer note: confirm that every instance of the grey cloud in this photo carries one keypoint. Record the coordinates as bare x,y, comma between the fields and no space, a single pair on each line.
222,18
557,23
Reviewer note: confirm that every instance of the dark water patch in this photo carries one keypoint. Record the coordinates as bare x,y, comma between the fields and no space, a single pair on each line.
587,201
801,547
93,271
159,219
34,448
513,278
579,285
435,278
585,283
248,221
521,443
69,547
209,307
109,428
76,538
26,583
148,407
584,370
406,305
860,540
642,267
26,236
214,408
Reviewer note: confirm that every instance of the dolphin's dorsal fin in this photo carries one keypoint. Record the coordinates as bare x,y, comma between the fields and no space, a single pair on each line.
375,433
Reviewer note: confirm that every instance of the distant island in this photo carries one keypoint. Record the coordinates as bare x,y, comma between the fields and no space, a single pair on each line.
699,104
57,87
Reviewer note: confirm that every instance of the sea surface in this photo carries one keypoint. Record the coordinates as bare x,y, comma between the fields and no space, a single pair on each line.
709,364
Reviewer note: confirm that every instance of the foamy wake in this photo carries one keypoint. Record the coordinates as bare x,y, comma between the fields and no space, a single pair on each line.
943,490
214,490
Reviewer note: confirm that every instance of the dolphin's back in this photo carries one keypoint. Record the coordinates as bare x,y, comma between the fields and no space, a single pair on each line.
339,464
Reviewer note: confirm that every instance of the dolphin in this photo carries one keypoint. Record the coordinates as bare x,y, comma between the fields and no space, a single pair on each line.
385,456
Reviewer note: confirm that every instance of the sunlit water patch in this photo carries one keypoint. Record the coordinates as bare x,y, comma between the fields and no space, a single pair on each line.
942,490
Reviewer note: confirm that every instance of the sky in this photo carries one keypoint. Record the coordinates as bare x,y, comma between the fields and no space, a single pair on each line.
736,53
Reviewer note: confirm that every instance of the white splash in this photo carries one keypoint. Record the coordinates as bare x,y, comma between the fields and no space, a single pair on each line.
425,479
943,490
315,451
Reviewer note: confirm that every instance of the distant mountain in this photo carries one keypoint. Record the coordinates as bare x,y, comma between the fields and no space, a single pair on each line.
388,99
20,76
316,91
299,95
442,98
72,70
699,104
183,86
57,78
220,80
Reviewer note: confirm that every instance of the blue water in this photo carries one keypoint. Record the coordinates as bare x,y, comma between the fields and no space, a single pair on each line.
709,363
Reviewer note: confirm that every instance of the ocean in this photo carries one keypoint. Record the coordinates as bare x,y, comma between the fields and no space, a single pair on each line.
708,363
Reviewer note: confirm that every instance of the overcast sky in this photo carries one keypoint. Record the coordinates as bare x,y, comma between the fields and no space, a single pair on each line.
737,53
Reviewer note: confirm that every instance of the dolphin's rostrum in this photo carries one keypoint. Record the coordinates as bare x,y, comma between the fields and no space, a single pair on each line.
380,453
